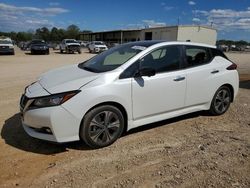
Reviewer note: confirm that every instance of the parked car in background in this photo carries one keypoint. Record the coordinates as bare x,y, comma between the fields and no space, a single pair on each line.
125,87
97,47
39,47
70,46
6,46
84,43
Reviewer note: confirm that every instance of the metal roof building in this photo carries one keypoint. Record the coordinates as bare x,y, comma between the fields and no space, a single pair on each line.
193,33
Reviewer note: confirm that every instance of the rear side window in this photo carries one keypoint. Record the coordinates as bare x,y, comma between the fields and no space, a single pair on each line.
217,52
196,55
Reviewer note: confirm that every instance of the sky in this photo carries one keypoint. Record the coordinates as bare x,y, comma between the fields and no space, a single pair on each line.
231,18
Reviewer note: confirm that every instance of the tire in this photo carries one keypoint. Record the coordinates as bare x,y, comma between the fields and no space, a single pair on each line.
67,51
79,51
61,51
221,101
102,126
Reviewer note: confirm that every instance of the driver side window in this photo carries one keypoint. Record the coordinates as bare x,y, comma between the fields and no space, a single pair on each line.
164,59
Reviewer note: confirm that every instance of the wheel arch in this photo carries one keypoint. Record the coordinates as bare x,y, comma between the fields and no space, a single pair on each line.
112,103
231,90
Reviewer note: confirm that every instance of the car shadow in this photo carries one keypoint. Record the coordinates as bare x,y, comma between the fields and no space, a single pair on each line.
14,135
166,122
245,84
29,53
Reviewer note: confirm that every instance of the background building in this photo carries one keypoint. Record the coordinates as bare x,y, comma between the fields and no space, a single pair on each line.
200,34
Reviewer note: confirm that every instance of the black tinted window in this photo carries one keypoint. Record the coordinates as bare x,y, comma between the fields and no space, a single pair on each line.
163,59
196,55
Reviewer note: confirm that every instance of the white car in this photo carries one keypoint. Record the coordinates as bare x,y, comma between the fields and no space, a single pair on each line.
97,47
6,46
70,46
125,87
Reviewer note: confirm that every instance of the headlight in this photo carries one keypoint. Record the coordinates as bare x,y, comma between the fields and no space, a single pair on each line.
53,100
11,47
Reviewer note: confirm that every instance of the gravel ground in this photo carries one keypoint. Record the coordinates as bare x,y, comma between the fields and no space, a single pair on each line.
195,150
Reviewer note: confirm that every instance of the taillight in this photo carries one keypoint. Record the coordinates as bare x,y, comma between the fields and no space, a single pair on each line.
232,67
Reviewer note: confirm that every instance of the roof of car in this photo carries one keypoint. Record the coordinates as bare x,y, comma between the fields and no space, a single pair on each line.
149,43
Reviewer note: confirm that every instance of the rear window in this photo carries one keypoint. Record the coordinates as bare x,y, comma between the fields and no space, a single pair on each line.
196,55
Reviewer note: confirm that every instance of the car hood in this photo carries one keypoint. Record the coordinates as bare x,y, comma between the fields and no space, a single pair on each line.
6,45
73,44
39,45
66,79
101,46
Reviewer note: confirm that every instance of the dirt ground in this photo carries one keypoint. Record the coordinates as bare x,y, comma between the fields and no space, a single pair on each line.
195,150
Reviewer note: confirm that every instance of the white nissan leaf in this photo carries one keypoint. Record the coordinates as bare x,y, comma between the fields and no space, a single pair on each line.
125,87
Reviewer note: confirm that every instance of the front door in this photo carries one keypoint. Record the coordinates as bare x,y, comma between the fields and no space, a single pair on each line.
163,92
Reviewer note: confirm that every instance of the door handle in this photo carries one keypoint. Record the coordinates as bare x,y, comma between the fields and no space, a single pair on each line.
179,78
215,71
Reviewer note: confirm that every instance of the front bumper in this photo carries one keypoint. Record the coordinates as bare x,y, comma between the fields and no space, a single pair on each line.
99,50
54,124
6,50
39,51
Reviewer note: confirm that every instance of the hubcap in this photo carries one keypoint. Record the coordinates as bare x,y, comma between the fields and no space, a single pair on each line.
222,101
104,127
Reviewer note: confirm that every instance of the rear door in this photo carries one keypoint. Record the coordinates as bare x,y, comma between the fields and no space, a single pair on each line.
201,75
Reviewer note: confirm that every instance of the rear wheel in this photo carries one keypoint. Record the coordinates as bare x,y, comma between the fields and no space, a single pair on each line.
221,101
102,126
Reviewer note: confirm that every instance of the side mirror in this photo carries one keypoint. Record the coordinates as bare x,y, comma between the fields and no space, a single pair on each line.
145,72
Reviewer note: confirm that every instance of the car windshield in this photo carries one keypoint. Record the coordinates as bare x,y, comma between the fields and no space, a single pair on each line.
5,42
71,41
99,43
112,58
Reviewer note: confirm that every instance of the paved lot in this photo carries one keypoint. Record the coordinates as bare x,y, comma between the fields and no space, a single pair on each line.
195,150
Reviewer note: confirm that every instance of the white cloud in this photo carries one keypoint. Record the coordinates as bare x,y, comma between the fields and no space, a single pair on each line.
153,23
54,4
19,10
168,8
196,20
191,3
226,19
17,18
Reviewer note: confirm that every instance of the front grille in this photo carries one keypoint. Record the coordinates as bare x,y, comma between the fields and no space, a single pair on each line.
4,47
73,47
23,101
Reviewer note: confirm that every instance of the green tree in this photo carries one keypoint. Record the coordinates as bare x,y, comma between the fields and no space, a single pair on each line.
72,31
43,33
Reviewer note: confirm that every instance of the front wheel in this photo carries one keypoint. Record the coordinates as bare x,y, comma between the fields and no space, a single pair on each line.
102,126
221,101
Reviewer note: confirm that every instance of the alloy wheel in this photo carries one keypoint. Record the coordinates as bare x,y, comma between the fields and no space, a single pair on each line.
104,127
